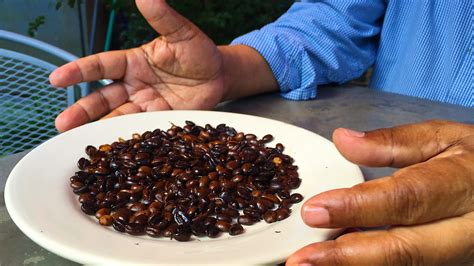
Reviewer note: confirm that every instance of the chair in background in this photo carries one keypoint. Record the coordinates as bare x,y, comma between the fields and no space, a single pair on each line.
28,103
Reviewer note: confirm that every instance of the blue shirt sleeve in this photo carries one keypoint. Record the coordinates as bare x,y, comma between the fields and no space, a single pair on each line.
319,42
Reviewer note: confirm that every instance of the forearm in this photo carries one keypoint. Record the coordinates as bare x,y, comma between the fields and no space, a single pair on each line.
246,72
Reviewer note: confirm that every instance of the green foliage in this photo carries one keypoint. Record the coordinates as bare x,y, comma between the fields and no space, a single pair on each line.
221,20
35,24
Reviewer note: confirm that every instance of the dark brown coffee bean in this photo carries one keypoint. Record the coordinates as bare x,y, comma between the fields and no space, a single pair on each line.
135,229
91,150
270,216
210,221
214,185
246,219
182,237
296,198
180,217
119,226
139,218
122,214
77,184
267,138
236,229
86,198
282,213
223,226
83,163
271,197
152,231
230,212
224,217
262,205
88,208
170,230
198,229
155,207
237,178
280,147
244,193
212,231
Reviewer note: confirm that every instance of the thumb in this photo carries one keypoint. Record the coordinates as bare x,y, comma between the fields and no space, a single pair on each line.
398,146
166,21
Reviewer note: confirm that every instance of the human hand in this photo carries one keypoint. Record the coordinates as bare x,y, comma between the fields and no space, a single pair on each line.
156,76
429,203
182,69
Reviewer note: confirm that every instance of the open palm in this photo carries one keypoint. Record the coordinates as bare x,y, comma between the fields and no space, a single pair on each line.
181,69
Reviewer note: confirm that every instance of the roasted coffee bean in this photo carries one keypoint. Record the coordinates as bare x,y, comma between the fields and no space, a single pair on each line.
237,178
246,219
88,208
155,207
212,231
296,198
77,184
152,231
180,236
270,216
106,220
282,213
233,213
271,197
122,214
139,218
280,147
170,230
244,193
119,226
91,150
223,226
267,138
186,181
134,229
198,228
236,229
180,217
101,212
224,217
263,205
83,163
210,221
86,198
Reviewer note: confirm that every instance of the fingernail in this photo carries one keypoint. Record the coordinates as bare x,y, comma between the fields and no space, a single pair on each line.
354,133
315,216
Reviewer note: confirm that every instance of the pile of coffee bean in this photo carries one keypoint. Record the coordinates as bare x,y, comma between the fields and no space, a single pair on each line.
186,181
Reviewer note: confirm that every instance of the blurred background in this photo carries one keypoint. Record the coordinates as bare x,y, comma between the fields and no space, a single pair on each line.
89,26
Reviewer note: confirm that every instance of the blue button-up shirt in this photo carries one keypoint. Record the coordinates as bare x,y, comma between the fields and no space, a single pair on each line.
422,48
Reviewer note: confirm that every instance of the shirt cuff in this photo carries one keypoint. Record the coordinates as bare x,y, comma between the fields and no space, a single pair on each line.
280,52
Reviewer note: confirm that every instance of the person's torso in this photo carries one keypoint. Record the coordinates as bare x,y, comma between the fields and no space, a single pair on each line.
427,50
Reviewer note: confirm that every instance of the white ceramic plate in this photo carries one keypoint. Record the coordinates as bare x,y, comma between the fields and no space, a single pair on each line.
41,203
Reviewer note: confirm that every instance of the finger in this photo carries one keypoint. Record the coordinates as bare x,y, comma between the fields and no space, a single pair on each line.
398,146
165,20
108,65
92,107
435,189
447,242
127,108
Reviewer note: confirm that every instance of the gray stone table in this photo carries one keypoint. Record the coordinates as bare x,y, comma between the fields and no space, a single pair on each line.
359,108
